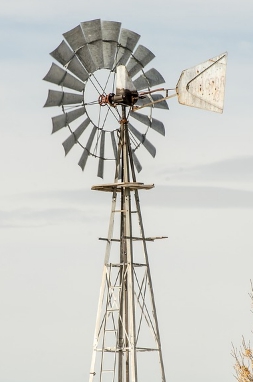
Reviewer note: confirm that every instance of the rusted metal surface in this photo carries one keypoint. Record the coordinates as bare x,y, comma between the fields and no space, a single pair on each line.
109,187
203,86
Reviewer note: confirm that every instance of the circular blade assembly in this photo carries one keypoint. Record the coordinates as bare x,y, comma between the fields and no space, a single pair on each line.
103,68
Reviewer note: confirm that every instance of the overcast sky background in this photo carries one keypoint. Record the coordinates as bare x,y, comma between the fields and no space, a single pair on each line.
50,220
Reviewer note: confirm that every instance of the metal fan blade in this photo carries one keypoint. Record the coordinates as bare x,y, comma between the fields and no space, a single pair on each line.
59,76
75,38
85,57
63,120
114,146
101,162
76,67
154,98
110,36
56,98
140,58
92,30
93,34
72,139
136,161
63,54
142,138
154,123
86,152
96,51
127,42
150,78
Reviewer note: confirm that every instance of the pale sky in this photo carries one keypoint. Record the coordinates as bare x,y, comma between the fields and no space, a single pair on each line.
50,220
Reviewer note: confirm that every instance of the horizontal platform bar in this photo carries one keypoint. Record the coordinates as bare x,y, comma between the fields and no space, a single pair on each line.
121,264
135,238
117,350
110,187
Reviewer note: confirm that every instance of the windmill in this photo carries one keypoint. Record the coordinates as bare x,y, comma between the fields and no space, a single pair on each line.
108,109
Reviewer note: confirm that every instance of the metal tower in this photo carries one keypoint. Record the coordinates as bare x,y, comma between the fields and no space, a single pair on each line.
126,323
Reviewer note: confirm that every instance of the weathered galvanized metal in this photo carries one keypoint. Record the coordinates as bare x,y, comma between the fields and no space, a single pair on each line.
155,124
57,98
85,155
142,57
61,77
142,139
63,120
72,139
149,79
203,86
87,48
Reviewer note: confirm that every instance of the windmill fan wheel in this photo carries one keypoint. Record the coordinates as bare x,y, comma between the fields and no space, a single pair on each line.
91,55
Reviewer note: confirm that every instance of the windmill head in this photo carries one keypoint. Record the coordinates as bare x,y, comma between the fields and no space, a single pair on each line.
91,108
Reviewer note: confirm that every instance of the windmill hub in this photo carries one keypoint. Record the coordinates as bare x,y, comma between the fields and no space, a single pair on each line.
124,97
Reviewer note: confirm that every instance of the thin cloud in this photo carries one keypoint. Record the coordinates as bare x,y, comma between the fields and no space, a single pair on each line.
199,197
33,218
230,170
161,197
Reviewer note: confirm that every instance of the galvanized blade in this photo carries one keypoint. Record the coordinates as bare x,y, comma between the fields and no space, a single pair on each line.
114,146
86,152
153,123
140,58
75,38
72,139
93,34
59,76
85,57
57,98
136,161
96,51
110,36
142,138
75,67
203,86
152,99
92,30
109,52
63,120
101,162
127,41
150,78
110,30
63,54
